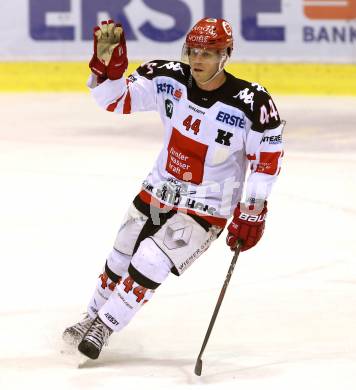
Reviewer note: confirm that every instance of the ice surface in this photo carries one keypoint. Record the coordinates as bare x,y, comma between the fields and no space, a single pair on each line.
68,172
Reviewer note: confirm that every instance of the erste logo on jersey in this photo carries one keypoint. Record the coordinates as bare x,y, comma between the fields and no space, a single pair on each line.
229,119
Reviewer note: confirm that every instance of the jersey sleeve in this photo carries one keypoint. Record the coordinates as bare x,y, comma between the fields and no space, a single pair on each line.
126,95
264,147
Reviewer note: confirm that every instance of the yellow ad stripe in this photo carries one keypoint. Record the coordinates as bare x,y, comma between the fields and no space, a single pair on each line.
288,79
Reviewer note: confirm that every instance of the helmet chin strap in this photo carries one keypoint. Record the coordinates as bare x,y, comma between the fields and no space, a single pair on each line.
222,63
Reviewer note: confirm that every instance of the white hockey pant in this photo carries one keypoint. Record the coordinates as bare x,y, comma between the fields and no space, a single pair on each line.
131,275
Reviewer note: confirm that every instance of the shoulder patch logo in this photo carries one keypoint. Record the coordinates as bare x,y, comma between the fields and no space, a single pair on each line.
246,96
150,66
175,66
259,87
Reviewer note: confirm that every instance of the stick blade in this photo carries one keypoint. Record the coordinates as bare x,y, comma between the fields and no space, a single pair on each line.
198,367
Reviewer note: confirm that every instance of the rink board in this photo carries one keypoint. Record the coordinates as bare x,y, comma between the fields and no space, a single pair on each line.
290,79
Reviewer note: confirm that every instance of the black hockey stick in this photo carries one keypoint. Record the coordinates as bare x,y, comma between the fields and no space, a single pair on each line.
199,362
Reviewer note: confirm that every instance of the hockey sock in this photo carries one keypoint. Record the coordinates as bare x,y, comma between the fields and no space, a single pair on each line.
121,306
116,265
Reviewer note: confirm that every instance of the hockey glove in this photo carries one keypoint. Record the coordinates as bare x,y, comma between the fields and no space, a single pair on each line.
247,225
110,55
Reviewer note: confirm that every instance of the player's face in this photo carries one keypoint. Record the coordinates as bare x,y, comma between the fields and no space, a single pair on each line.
204,63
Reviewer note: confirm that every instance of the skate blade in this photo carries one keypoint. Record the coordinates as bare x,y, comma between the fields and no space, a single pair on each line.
73,356
68,348
77,359
83,361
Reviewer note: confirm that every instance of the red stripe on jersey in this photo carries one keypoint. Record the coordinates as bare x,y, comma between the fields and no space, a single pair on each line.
186,158
149,199
268,163
127,103
111,107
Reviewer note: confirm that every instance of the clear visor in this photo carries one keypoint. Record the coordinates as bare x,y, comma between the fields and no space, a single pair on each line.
212,56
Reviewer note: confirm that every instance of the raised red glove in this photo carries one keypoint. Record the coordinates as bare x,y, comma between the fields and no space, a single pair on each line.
247,226
110,54
118,62
96,65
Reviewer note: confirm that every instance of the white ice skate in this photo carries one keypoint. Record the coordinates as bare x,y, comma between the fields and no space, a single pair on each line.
74,334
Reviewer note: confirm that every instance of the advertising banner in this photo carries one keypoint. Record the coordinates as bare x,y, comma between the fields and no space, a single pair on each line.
264,30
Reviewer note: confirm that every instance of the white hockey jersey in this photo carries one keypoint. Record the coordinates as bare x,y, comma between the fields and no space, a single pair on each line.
211,137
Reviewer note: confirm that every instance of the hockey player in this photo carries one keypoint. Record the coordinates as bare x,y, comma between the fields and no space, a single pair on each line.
216,126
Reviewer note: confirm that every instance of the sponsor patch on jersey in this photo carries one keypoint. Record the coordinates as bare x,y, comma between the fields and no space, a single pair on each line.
272,139
170,90
268,163
232,120
186,158
195,109
168,104
177,94
224,137
165,88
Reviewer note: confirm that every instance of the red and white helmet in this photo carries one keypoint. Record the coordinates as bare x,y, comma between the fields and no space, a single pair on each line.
210,33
